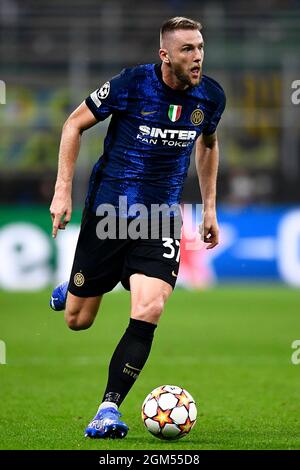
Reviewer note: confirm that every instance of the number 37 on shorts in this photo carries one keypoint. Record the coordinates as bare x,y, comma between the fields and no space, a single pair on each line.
172,248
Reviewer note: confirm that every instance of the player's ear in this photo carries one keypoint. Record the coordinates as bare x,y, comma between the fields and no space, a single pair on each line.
163,54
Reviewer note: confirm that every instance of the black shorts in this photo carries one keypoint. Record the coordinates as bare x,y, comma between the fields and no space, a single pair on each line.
100,264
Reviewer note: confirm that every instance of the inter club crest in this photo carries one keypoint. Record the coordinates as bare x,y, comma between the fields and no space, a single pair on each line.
197,117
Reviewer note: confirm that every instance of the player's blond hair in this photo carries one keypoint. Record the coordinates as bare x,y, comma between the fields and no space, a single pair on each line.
179,22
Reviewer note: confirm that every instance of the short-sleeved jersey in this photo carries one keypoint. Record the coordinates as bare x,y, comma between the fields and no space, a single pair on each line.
150,137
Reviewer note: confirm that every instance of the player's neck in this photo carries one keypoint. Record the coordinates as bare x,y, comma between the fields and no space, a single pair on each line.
171,80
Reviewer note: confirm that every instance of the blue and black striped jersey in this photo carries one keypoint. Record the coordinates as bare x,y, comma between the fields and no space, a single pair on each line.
150,137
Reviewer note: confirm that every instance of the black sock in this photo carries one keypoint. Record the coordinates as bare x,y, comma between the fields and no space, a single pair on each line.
128,359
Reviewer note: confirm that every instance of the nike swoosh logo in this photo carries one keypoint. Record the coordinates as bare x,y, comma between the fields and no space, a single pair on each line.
146,113
173,274
131,367
52,301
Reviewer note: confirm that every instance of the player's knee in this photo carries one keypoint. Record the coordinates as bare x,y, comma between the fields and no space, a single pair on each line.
149,311
77,322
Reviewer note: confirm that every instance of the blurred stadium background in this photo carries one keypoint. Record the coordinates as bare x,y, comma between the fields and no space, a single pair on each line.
231,346
54,53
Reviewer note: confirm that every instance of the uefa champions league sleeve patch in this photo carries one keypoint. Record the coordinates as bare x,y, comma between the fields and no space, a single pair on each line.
100,94
103,92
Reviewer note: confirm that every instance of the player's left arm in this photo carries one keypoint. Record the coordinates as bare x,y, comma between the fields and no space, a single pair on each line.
207,162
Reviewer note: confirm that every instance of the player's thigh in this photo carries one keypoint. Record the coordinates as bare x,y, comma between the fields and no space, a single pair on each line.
98,261
148,297
81,310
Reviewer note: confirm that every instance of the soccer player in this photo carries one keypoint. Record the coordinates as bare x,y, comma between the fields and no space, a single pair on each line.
158,112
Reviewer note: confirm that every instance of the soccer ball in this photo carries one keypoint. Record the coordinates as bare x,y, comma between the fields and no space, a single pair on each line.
169,412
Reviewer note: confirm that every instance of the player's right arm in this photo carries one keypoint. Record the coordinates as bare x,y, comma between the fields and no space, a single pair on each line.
110,98
61,206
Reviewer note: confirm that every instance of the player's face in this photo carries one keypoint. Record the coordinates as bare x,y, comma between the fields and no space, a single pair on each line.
186,54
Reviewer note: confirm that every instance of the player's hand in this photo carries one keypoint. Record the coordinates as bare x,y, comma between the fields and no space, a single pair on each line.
60,210
209,229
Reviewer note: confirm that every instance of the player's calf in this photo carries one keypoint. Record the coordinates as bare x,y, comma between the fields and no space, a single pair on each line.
80,312
78,322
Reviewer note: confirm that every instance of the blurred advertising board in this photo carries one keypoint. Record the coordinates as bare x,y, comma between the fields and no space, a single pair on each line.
257,244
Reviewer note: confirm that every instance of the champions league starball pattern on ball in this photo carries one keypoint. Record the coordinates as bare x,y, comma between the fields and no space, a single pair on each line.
169,412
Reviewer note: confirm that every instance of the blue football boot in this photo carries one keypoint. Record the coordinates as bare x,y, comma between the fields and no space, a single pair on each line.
105,424
59,297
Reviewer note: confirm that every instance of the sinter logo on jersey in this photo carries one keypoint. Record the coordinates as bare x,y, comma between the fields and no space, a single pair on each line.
170,137
197,117
174,112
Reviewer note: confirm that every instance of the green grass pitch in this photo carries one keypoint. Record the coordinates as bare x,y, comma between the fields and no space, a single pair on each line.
229,347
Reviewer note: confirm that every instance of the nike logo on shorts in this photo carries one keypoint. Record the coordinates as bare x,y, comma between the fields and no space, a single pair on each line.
173,274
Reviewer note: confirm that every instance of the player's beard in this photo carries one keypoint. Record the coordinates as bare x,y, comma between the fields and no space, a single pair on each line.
183,76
